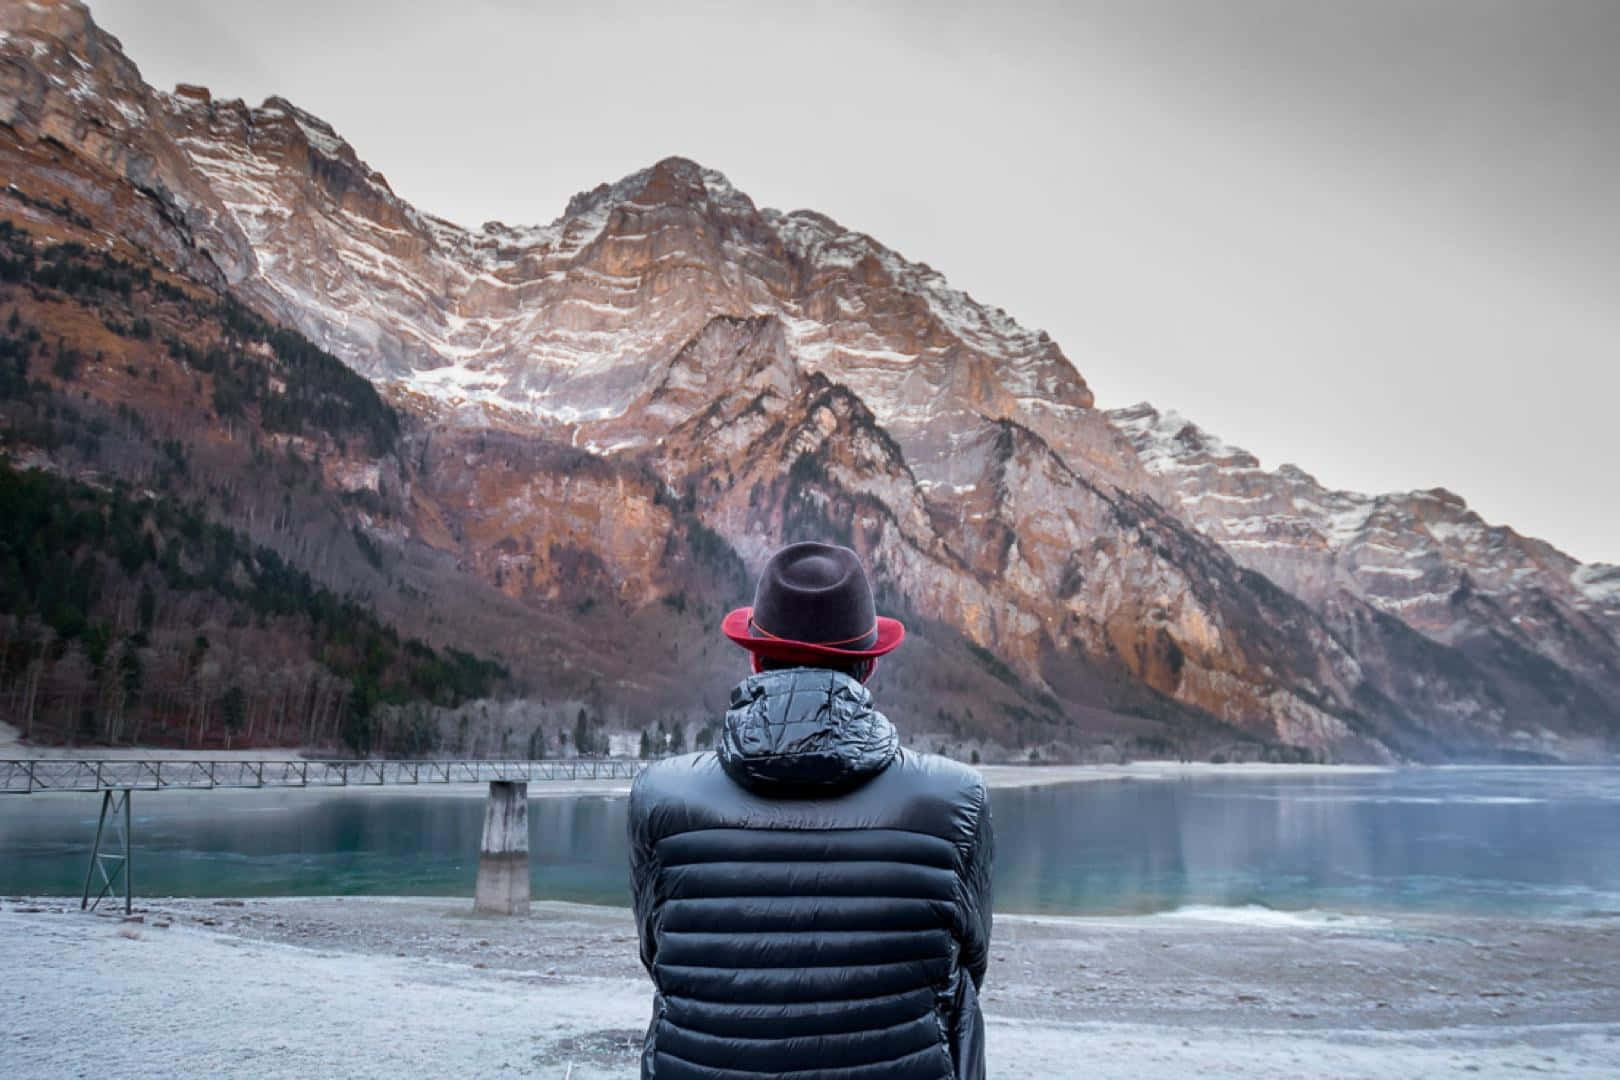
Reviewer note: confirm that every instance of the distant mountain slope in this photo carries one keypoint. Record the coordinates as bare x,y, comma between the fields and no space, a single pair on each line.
1522,610
607,422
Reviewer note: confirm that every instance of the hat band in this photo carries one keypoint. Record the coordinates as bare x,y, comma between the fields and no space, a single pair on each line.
760,631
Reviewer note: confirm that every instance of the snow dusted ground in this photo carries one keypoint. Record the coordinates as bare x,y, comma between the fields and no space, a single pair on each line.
1017,776
13,746
416,987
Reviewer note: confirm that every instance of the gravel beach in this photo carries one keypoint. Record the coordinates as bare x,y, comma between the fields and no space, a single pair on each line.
370,987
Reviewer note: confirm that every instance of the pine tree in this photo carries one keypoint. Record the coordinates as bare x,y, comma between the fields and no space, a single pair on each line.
582,734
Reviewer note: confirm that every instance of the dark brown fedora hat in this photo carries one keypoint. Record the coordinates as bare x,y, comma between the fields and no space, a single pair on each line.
813,602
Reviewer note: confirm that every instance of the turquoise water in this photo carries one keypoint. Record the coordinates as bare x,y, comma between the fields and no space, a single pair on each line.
1480,841
1488,841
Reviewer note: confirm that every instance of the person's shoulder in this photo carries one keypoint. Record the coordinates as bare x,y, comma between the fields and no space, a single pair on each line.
676,794
940,776
674,775
943,797
939,768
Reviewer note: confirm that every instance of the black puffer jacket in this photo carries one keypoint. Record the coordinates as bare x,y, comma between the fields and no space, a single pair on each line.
812,900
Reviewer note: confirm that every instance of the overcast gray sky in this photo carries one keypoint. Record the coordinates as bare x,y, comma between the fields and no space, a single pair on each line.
1379,240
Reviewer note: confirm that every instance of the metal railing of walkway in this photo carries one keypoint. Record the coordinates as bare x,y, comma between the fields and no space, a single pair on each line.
117,778
29,776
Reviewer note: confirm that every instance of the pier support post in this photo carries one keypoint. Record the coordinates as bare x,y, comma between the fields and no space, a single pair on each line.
503,860
113,804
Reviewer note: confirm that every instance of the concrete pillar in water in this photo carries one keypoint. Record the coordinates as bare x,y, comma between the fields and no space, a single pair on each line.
503,861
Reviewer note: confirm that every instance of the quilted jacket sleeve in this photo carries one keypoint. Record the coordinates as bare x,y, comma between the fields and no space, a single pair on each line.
976,943
642,873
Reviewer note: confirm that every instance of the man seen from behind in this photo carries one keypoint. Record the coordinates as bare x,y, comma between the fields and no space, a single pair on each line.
811,897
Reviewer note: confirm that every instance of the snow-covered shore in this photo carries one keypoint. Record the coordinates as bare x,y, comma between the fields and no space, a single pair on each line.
1017,776
385,988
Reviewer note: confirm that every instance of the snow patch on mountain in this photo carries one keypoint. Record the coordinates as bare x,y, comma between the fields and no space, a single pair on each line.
830,249
1598,582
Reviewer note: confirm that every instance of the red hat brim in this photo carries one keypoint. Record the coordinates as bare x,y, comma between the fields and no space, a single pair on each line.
890,633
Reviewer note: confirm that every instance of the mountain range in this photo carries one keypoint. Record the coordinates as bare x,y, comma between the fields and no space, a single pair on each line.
604,425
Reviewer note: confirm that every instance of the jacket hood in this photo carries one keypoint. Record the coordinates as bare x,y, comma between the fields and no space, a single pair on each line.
804,731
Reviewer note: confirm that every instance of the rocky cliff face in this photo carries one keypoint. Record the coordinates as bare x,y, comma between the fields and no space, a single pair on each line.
567,325
78,114
645,396
1540,624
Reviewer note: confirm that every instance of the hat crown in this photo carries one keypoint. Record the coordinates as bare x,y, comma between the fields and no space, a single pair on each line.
815,593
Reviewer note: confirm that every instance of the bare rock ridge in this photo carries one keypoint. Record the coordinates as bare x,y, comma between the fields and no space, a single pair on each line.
1421,557
627,408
